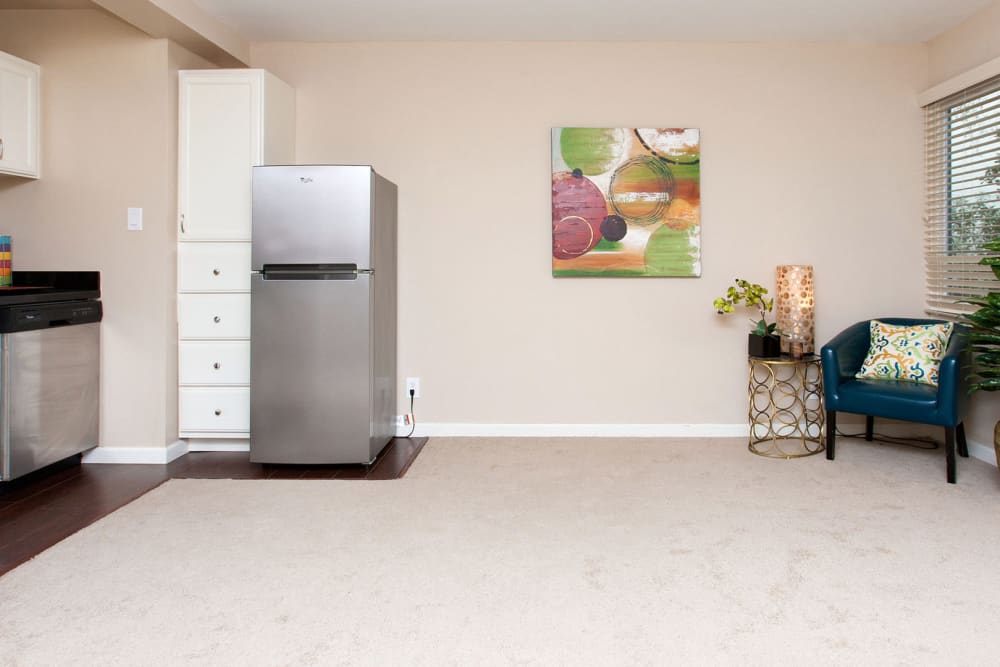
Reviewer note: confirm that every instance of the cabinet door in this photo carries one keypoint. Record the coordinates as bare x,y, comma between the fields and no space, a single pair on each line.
18,116
220,140
213,267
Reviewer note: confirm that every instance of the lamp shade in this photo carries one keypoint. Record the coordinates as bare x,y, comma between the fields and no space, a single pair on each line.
795,302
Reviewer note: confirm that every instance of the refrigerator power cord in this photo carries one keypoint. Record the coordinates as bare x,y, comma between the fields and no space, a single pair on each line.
413,417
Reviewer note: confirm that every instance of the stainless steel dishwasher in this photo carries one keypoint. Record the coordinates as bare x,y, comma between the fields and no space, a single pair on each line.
50,355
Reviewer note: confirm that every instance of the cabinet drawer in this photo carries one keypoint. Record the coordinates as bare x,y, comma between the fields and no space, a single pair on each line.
213,315
208,409
214,362
213,267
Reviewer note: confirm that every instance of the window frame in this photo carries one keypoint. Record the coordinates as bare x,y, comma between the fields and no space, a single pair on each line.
962,128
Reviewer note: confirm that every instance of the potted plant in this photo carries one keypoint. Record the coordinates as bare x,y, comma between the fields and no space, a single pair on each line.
984,336
764,340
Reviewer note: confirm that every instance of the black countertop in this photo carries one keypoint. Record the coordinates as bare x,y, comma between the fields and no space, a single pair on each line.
49,286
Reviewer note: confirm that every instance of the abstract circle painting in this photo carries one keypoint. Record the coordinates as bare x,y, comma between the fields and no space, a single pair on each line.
626,202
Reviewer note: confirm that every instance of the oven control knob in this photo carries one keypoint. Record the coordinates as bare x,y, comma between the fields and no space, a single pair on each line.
218,413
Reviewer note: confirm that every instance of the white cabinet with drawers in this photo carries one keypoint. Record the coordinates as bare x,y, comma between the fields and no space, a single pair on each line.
230,121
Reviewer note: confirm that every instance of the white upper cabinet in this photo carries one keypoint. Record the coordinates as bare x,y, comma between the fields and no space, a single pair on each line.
18,116
226,119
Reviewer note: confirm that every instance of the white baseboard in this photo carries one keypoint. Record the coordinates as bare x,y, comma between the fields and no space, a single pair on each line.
208,445
136,454
982,452
580,430
443,429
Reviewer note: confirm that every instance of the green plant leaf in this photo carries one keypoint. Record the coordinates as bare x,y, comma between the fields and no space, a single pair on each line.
986,318
750,295
984,338
991,358
977,302
993,384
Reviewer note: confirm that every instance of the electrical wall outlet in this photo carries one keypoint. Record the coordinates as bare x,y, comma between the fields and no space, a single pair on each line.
414,384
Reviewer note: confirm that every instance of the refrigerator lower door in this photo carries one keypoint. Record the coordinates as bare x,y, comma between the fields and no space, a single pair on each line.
310,371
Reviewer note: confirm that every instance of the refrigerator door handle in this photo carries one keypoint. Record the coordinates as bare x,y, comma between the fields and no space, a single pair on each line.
310,272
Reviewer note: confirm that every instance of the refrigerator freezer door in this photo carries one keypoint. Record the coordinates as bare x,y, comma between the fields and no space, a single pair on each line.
318,214
310,384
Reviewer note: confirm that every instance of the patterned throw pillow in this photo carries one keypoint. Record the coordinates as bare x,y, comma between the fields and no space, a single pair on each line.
906,353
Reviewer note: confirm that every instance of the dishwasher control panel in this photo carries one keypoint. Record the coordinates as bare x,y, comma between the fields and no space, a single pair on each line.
32,317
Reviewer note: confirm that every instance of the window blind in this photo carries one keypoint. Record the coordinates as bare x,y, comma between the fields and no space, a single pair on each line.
962,161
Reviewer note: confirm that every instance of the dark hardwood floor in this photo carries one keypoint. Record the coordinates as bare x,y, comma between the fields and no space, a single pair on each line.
42,508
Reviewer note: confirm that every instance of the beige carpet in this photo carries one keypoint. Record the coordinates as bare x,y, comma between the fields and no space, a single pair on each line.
538,552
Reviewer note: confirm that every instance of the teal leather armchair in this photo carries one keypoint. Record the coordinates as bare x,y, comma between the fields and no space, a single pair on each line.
944,405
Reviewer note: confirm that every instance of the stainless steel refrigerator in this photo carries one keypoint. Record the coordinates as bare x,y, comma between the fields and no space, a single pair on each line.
323,314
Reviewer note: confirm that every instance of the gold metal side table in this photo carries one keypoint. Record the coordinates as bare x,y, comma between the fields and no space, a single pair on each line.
787,419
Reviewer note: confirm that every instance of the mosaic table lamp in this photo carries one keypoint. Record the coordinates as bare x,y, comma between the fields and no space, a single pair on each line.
795,304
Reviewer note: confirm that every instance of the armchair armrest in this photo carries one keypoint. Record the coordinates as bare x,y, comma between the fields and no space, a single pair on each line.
842,356
952,374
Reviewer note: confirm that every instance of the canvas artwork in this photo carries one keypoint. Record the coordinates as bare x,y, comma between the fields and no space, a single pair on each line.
626,202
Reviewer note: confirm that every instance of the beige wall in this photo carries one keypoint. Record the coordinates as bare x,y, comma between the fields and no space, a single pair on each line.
971,43
811,154
108,143
967,46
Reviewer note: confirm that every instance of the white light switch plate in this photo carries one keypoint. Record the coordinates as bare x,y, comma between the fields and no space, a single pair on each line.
135,219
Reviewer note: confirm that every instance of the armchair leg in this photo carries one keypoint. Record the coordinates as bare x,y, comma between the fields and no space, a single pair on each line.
949,447
963,446
869,427
831,433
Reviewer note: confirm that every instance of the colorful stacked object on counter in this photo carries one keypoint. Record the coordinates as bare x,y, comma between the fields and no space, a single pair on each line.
5,265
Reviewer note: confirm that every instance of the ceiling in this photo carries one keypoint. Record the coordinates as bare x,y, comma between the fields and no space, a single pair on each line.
879,21
45,4
872,21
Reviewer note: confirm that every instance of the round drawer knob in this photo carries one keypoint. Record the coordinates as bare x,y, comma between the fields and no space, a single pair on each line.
217,319
216,272
218,413
216,365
